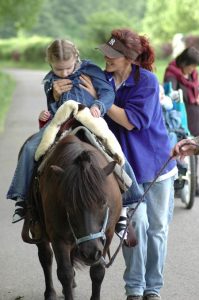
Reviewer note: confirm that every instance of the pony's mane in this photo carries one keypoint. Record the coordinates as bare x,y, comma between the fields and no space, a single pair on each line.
83,179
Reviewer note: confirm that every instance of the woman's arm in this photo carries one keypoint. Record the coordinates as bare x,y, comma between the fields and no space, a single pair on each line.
104,94
118,115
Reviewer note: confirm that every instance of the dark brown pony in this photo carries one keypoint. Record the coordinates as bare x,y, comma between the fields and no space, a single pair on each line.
81,203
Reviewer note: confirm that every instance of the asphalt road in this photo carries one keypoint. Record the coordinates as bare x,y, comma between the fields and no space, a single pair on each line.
21,276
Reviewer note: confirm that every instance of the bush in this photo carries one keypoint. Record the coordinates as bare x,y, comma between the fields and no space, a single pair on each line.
35,52
23,48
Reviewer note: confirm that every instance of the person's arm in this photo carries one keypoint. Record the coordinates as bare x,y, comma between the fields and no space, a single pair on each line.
118,115
104,91
115,113
86,84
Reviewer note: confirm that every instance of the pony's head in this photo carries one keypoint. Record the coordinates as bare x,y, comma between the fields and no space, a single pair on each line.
83,194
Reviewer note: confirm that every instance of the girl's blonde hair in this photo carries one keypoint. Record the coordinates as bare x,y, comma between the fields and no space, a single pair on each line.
60,50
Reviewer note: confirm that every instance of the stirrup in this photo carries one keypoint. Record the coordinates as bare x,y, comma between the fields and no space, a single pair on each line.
19,213
120,227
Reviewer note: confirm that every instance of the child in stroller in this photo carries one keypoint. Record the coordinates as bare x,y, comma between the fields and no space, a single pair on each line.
176,122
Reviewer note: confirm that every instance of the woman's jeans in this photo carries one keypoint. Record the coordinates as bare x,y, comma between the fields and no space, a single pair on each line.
145,261
20,184
134,193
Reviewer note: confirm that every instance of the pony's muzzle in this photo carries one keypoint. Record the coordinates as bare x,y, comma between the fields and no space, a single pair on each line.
91,251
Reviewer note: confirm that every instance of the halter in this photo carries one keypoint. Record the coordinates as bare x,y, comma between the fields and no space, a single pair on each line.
90,236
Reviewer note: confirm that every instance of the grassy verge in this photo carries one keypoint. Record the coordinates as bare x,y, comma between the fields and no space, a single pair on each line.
7,85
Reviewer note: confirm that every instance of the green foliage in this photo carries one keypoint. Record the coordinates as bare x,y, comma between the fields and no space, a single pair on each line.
66,17
7,85
19,14
100,24
165,18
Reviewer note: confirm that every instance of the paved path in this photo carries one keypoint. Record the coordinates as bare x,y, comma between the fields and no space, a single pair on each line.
20,271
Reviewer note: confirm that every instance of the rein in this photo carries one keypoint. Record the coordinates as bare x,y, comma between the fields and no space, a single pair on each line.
133,210
131,213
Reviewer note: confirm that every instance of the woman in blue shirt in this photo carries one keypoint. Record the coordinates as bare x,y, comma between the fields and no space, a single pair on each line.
136,120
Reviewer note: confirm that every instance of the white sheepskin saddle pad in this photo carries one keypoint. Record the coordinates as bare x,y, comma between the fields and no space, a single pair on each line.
98,126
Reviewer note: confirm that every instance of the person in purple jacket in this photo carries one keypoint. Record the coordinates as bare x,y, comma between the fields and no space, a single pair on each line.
137,121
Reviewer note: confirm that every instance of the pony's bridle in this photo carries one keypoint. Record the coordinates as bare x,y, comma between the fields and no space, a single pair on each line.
91,236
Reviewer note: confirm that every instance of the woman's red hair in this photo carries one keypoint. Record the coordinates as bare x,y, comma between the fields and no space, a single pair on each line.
139,44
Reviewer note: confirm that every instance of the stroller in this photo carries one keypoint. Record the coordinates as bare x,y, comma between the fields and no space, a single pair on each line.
176,123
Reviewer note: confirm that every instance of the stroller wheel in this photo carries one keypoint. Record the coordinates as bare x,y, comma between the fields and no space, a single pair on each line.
187,193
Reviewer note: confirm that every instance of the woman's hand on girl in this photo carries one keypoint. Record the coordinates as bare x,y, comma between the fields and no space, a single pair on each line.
86,84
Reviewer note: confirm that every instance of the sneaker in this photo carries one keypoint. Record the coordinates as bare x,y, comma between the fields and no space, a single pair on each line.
152,297
19,213
134,297
130,239
121,224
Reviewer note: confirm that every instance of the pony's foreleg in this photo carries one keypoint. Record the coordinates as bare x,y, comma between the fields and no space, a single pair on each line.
65,271
46,257
97,273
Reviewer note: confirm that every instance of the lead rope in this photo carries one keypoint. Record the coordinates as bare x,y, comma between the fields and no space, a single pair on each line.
107,265
130,215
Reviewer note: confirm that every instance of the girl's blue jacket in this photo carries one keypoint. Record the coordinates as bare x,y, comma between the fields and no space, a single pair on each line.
104,89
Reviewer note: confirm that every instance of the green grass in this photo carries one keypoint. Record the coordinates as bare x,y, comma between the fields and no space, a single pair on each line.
7,85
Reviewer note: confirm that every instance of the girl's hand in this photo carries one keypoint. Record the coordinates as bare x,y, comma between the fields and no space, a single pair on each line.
61,86
44,115
86,84
95,112
181,151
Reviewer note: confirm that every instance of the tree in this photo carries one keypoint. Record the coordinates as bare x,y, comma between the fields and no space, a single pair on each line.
21,14
165,18
68,17
100,24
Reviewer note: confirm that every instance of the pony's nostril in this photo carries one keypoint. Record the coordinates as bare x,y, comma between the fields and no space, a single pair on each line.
98,255
92,256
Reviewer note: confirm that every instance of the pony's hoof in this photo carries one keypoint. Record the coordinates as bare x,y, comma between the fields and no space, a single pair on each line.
50,296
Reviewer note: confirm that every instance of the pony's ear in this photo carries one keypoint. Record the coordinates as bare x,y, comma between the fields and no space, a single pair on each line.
57,170
109,168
